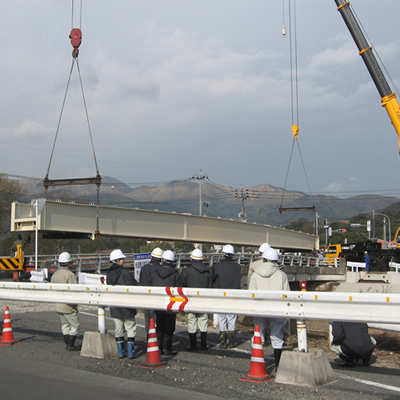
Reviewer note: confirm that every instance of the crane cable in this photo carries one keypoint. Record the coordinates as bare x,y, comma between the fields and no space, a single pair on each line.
294,89
76,38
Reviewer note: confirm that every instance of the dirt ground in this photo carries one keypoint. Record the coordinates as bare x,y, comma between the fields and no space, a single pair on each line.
386,353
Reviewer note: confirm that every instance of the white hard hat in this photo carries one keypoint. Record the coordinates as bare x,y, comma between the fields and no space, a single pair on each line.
264,247
64,258
168,255
271,254
228,249
197,254
156,253
116,255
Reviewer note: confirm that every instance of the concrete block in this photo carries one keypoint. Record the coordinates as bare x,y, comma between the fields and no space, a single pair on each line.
305,369
98,345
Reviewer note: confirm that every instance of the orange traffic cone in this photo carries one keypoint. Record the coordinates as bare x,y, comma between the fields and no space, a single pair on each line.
8,336
153,352
257,371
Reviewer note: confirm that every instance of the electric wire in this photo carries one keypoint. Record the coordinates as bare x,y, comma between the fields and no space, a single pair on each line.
294,99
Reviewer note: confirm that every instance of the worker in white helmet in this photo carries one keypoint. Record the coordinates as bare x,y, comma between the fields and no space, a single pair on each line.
268,276
124,318
197,275
166,275
227,275
68,312
259,261
144,280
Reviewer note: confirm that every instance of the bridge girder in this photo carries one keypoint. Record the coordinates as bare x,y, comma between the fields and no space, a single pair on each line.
73,218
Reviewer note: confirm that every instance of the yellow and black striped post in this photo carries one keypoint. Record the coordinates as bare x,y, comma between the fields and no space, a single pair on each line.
13,263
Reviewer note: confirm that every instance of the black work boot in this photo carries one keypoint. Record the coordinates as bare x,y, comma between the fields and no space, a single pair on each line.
168,346
193,342
203,338
277,355
71,343
231,339
66,340
222,340
160,340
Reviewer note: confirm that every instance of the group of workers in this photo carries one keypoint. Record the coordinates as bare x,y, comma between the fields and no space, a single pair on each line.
350,340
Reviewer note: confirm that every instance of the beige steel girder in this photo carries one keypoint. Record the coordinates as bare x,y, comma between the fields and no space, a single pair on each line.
70,217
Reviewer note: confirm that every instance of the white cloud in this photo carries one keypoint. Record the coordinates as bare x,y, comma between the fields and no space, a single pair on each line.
31,129
202,78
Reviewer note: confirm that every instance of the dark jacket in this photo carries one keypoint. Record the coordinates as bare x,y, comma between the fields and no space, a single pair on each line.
226,274
165,275
146,272
353,339
198,275
118,275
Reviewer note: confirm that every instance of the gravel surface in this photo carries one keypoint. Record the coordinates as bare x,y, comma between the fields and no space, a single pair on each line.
215,372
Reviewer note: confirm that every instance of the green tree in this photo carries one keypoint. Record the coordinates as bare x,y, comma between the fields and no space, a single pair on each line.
10,190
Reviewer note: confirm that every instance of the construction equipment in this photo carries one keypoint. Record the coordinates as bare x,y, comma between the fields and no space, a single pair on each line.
388,98
355,252
13,263
76,40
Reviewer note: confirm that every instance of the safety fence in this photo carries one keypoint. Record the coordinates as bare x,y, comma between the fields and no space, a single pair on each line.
323,306
100,262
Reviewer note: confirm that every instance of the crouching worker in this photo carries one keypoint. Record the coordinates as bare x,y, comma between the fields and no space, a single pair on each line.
124,318
351,342
68,312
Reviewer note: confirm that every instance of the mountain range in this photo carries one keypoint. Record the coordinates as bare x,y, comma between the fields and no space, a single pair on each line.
260,204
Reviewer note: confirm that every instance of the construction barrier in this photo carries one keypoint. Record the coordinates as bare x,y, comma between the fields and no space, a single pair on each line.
380,308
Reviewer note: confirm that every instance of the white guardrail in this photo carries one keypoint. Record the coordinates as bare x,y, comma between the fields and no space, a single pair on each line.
323,306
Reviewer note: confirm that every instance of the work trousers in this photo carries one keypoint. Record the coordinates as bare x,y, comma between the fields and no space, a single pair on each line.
165,323
126,324
275,330
197,320
70,323
148,315
227,321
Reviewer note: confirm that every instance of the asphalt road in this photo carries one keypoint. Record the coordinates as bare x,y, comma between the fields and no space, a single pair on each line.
39,367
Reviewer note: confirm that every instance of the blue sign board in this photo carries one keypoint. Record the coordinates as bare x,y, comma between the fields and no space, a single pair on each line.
140,260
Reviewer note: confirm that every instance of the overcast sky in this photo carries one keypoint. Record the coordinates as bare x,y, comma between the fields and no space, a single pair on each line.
177,86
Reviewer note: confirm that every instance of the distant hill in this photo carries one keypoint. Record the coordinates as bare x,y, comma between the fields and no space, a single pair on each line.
261,202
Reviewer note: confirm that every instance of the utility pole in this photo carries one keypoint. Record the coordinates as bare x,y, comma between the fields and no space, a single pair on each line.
244,194
200,178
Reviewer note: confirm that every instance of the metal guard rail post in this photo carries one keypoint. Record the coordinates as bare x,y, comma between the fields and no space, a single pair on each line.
323,306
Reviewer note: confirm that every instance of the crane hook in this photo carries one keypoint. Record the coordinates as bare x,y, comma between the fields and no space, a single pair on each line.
295,131
76,40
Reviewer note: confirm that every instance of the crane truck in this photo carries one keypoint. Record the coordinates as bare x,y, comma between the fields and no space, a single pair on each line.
388,98
380,258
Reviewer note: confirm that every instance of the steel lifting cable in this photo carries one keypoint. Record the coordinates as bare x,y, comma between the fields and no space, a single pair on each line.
294,101
76,39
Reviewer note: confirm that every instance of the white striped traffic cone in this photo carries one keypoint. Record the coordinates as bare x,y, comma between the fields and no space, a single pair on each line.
8,336
153,352
257,371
